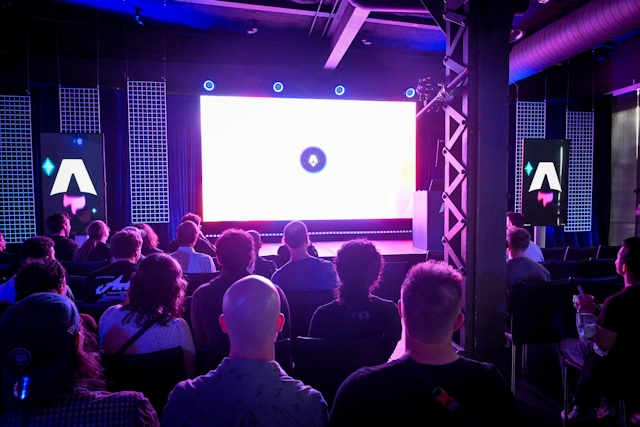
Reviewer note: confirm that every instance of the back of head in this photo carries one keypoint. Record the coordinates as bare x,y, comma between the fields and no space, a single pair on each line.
358,264
251,307
256,239
516,219
195,218
56,222
150,240
518,239
36,247
187,234
630,255
296,235
157,288
126,244
40,275
431,301
234,249
97,230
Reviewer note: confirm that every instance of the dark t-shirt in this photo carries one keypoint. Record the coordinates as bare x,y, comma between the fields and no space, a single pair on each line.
336,321
525,269
109,283
619,315
64,247
392,394
265,267
202,246
101,252
306,275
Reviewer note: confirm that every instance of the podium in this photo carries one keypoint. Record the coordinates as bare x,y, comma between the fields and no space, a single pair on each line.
428,220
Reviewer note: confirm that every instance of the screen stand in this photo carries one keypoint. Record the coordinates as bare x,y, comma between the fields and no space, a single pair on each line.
539,235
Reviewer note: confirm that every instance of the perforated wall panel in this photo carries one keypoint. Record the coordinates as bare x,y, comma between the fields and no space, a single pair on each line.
580,132
79,110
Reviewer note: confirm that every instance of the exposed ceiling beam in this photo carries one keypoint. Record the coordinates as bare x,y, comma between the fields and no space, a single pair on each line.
343,30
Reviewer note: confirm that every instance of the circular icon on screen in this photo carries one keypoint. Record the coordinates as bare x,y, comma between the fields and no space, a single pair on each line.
313,159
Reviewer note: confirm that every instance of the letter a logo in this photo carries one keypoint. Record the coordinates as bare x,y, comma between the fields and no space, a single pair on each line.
69,168
548,170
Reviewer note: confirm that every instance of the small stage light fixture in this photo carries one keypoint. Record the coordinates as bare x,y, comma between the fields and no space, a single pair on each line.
340,90
278,87
410,93
208,85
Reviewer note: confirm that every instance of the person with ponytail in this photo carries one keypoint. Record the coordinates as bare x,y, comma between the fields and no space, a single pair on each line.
95,248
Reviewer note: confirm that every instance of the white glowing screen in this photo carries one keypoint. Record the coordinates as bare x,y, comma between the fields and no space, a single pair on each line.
361,164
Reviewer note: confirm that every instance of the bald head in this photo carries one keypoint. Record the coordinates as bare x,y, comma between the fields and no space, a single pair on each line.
296,235
251,317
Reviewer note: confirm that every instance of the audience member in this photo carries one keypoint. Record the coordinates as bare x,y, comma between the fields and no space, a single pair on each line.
111,283
235,256
355,313
3,242
190,260
59,227
95,247
50,378
262,267
155,301
403,391
249,387
81,220
516,220
203,245
6,257
284,255
38,247
607,348
150,241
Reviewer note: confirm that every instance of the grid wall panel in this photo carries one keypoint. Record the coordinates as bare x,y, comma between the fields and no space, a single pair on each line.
148,152
79,110
17,201
530,124
580,132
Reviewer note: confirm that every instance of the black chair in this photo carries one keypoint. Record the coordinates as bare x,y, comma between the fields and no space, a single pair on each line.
95,309
7,271
195,280
602,267
83,268
574,254
302,305
599,287
324,365
608,251
435,255
393,274
565,269
208,358
153,374
554,253
187,311
75,283
541,313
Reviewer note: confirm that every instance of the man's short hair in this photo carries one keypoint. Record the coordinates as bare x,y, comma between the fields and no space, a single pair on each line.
36,247
518,239
516,219
40,275
296,234
195,218
187,233
55,222
234,249
125,244
431,300
630,255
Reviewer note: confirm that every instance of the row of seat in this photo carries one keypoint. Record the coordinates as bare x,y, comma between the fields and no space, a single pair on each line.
573,253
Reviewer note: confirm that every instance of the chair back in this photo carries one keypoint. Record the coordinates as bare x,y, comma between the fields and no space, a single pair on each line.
599,287
195,280
574,253
75,283
83,268
435,255
542,312
95,309
554,253
608,251
393,274
6,271
565,269
208,358
153,374
602,267
302,305
324,364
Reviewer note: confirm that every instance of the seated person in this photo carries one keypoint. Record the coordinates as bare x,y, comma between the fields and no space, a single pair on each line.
357,314
190,260
50,378
150,240
59,226
156,298
81,220
401,392
262,267
249,387
202,246
111,283
37,247
95,248
533,251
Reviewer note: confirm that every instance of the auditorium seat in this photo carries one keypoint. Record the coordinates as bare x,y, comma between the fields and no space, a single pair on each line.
302,305
608,251
566,269
195,280
83,268
393,274
602,267
574,253
75,283
554,253
435,255
95,309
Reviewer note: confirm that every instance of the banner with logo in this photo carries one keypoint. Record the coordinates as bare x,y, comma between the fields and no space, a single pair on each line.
73,176
545,181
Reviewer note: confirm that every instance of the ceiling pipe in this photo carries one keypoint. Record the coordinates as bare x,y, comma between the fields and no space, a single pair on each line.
596,22
398,6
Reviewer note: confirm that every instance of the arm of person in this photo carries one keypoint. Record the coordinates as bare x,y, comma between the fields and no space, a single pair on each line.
603,337
348,406
199,334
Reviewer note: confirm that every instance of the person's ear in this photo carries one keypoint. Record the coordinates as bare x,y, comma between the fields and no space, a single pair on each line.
400,307
223,324
459,321
280,322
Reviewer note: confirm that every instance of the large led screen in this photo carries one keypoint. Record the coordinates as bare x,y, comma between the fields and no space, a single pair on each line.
269,159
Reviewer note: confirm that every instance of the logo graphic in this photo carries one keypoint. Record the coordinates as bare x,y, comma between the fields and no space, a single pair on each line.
20,357
313,159
68,169
548,170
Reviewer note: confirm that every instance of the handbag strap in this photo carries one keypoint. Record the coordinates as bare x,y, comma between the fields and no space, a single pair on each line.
438,394
137,335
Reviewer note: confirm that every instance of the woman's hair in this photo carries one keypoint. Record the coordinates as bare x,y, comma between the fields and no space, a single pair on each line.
97,230
358,264
157,288
86,362
150,242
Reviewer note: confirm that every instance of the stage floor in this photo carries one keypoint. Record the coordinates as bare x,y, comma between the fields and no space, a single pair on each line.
330,249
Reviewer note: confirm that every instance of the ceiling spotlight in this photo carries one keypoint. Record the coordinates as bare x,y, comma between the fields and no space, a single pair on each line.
366,42
543,1
278,87
254,27
516,35
208,85
340,90
410,93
